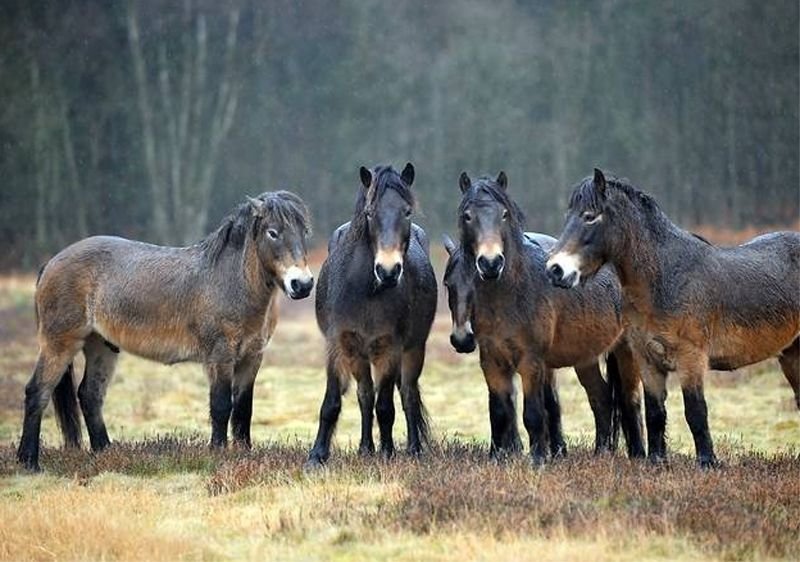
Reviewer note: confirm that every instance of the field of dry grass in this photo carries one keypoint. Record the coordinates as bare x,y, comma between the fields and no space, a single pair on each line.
160,494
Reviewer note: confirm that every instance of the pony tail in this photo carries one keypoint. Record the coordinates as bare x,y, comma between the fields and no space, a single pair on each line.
65,402
617,399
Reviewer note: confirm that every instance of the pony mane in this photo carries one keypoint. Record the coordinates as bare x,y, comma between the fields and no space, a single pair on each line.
486,186
281,208
585,196
383,179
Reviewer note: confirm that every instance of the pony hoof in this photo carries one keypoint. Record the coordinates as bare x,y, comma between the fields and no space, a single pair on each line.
366,451
657,460
387,454
561,452
313,464
537,461
708,463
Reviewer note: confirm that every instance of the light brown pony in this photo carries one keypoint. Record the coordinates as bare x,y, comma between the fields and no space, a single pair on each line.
705,306
211,303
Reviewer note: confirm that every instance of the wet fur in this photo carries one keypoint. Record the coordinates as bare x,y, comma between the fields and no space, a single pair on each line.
706,306
523,324
210,303
376,336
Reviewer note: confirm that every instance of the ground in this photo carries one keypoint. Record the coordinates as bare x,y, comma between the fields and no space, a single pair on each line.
159,493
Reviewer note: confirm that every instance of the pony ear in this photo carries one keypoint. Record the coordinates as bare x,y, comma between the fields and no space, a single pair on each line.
464,182
449,245
257,206
366,177
502,179
599,182
407,175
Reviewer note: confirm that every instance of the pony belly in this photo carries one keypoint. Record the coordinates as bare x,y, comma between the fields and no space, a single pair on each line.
742,346
163,344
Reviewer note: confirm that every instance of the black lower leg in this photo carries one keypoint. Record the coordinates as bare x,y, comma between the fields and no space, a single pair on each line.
558,448
220,407
697,417
28,452
384,408
242,414
91,400
412,408
328,416
533,415
366,403
502,420
632,427
656,419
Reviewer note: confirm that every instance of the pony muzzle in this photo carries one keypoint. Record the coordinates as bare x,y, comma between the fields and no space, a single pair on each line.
298,282
490,267
462,339
564,270
388,268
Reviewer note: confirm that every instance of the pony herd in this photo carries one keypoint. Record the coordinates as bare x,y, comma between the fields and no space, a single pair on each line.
622,282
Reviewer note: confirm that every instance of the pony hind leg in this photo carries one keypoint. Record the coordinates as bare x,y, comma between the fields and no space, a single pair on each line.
51,366
101,360
624,377
65,404
558,447
599,394
790,364
366,404
387,375
244,379
691,370
416,415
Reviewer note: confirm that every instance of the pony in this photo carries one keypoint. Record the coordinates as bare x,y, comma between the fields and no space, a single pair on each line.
212,303
375,303
614,402
522,324
705,306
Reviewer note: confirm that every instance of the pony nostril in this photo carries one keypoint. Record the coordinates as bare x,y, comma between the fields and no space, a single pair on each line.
483,263
396,270
556,272
296,286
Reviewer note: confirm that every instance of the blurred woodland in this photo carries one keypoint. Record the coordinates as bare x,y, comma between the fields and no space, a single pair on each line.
151,119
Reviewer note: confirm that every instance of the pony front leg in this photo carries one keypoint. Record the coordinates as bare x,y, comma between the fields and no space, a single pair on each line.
655,411
533,413
558,447
244,379
498,374
328,417
220,377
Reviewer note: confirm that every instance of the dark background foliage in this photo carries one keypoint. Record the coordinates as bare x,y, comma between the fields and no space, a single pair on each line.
151,119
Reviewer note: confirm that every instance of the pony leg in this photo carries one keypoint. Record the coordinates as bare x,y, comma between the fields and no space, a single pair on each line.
387,376
416,417
533,375
100,364
244,379
366,403
328,416
790,364
691,372
49,370
558,447
599,394
655,396
627,399
502,414
220,377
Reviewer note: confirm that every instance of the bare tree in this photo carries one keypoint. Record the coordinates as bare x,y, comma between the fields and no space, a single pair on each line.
185,119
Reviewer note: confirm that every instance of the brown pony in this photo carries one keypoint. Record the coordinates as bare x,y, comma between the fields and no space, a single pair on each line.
211,303
522,324
705,306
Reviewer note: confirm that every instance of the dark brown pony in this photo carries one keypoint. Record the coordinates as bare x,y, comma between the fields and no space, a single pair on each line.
376,299
705,306
210,303
522,324
605,397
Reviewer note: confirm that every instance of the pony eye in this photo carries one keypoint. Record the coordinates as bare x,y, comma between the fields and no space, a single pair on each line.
590,218
272,233
505,214
467,216
408,213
